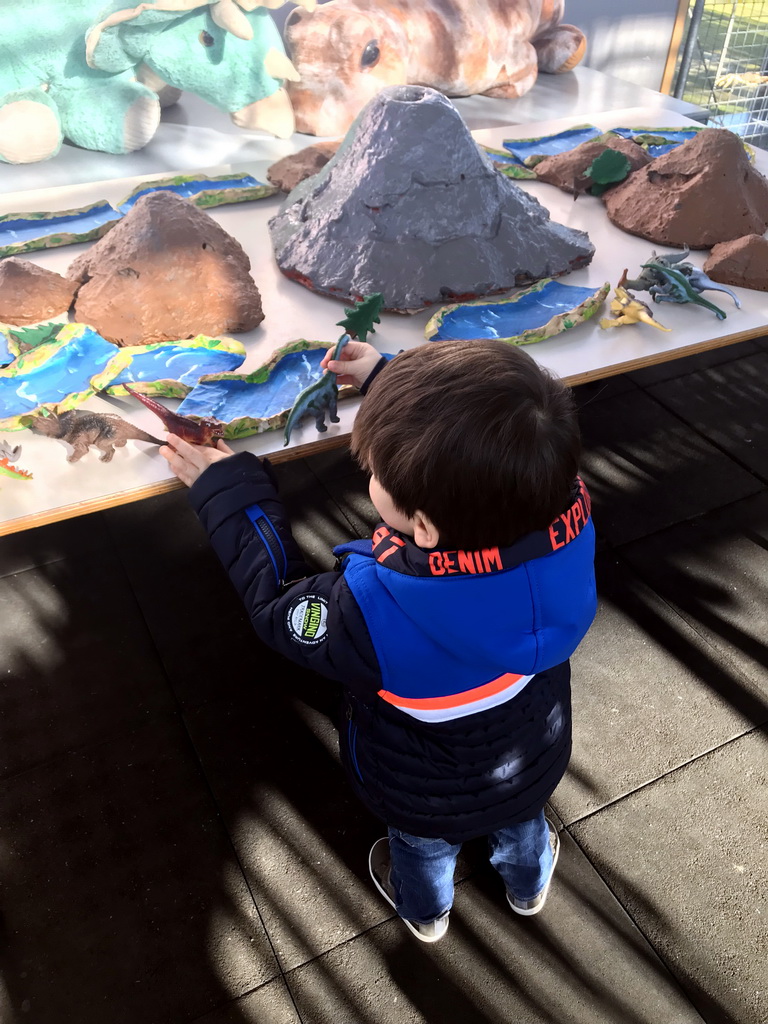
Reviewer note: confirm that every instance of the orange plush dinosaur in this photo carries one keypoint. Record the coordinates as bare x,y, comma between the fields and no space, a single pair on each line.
346,51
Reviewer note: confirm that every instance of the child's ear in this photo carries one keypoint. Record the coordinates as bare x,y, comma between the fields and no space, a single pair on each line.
425,533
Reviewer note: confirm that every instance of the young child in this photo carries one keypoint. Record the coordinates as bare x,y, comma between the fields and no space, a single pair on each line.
451,630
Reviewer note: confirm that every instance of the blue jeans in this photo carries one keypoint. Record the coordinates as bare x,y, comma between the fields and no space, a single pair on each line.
422,869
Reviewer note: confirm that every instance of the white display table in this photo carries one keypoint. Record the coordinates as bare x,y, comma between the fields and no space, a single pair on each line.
193,133
60,490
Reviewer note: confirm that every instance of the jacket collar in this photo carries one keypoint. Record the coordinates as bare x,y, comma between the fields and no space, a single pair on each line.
397,552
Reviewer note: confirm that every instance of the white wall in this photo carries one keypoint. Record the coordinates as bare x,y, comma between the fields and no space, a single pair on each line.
628,40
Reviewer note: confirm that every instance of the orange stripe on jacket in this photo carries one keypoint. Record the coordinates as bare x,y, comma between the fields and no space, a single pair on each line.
455,700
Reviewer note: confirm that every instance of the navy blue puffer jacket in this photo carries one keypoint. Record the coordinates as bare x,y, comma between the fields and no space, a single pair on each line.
454,663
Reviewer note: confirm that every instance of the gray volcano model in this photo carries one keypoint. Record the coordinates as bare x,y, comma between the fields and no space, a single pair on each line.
410,207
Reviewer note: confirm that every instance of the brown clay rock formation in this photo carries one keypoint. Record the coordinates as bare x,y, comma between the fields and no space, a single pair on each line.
166,271
288,172
704,192
742,262
563,169
29,293
411,208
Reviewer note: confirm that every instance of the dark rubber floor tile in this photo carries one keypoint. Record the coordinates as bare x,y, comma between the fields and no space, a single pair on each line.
581,960
686,856
712,570
69,538
351,496
198,623
319,524
122,899
728,405
649,694
270,1004
333,465
76,660
598,390
646,470
196,619
673,368
300,833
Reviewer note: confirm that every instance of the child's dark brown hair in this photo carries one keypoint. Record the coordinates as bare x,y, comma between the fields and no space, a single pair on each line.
475,435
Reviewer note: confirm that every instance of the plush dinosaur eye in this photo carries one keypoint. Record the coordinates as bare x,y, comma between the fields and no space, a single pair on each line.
371,55
206,38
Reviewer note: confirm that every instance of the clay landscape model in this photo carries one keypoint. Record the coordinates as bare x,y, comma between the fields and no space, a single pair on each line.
703,192
459,47
411,208
285,174
29,293
167,270
570,171
742,262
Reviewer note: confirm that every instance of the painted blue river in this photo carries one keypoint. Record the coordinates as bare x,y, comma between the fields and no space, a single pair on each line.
17,230
510,318
68,371
193,188
232,399
179,362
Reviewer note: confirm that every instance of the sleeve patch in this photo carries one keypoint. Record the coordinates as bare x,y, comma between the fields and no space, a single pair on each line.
307,619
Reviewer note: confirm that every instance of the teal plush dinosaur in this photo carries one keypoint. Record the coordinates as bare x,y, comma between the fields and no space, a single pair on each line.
91,72
317,398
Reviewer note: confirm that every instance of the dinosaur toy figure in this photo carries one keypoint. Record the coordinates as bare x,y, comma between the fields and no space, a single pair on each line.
671,278
317,398
627,309
203,431
8,456
81,429
323,393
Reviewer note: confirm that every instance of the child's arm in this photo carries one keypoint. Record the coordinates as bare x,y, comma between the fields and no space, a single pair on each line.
314,621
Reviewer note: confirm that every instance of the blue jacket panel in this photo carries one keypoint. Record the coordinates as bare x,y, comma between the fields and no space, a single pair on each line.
457,632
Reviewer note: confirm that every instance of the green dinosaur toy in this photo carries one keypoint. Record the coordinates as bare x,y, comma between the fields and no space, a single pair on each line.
317,398
322,394
668,284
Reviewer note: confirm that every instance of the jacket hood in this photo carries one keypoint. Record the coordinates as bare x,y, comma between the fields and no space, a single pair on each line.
518,609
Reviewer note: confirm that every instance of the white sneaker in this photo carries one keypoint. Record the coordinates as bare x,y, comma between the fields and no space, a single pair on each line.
380,867
530,907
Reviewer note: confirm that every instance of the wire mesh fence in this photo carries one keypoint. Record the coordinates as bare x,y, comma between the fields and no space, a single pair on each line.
727,71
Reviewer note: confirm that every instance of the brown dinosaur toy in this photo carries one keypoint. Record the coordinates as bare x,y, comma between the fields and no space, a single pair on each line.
81,429
347,51
203,431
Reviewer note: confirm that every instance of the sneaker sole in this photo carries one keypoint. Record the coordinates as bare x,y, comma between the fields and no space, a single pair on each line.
540,906
411,928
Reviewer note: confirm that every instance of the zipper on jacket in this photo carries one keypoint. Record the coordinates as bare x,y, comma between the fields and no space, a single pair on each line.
352,741
271,540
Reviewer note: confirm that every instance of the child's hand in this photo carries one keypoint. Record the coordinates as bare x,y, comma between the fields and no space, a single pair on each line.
188,461
358,358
